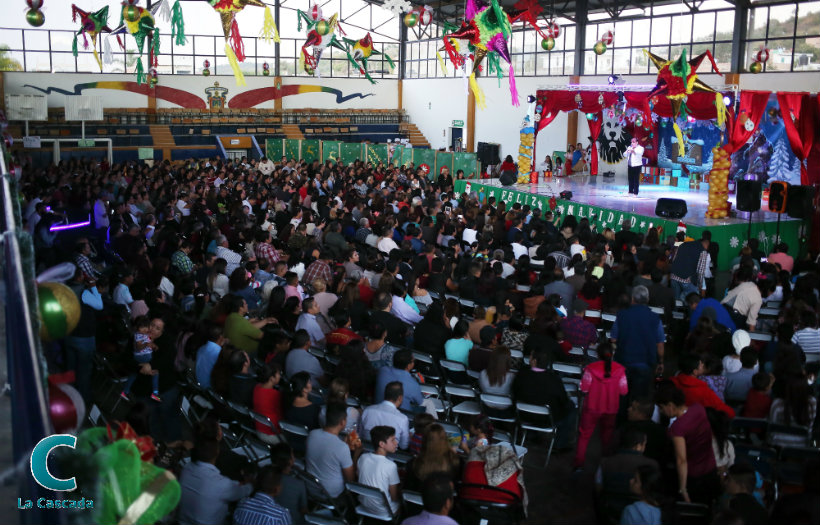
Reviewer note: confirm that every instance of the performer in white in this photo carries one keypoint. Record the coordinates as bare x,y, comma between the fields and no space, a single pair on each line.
634,162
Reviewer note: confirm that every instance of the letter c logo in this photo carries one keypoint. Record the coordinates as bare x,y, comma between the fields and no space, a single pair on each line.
39,462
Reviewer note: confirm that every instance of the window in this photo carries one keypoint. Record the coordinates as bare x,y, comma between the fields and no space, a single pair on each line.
791,33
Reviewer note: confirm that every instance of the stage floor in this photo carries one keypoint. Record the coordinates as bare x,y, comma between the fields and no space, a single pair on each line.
613,193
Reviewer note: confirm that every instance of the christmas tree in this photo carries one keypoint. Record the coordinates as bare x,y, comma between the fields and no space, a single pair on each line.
779,165
662,155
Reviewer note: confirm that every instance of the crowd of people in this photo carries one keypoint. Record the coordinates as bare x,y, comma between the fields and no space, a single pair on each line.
300,292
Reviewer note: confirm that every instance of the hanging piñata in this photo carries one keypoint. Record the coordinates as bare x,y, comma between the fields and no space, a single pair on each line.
677,80
360,51
321,34
92,24
234,47
139,23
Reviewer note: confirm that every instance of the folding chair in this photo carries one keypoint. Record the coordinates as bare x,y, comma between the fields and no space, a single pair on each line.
318,519
426,366
498,407
762,459
317,493
536,418
412,500
372,493
744,429
296,435
95,416
468,407
803,433
433,393
455,372
481,501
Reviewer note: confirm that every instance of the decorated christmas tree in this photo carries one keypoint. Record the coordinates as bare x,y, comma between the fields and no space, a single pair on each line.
662,155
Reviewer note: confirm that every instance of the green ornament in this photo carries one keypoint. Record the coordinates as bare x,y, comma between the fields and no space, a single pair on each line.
266,72
756,67
599,48
153,81
35,17
131,13
59,310
547,43
322,27
206,72
411,19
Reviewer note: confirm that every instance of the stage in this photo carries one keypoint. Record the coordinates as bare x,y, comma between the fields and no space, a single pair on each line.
607,204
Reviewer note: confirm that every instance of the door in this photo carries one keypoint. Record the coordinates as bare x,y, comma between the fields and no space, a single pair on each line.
456,141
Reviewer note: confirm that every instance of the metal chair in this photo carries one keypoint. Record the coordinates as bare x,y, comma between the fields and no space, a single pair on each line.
536,418
498,407
296,434
468,407
455,372
317,493
373,493
412,499
433,393
694,513
472,499
426,366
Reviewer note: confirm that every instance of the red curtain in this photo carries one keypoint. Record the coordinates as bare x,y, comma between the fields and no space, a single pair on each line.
753,105
552,102
798,110
594,129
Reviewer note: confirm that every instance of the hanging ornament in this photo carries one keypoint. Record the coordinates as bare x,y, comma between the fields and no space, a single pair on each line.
638,122
608,37
411,19
600,99
323,27
153,79
397,7
59,310
590,116
131,13
205,71
756,67
553,29
547,43
425,15
763,55
599,48
265,69
34,16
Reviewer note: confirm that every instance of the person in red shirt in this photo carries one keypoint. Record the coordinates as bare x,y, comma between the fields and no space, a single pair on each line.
696,391
759,399
267,400
343,334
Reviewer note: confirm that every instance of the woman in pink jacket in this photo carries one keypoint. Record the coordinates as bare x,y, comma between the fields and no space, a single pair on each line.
603,382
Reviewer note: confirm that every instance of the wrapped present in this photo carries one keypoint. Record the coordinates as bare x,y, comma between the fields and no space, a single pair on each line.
673,181
663,180
683,182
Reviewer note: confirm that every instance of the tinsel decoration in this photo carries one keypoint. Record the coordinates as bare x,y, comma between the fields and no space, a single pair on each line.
269,31
178,25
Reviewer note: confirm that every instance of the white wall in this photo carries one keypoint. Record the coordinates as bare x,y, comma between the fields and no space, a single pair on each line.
383,95
433,105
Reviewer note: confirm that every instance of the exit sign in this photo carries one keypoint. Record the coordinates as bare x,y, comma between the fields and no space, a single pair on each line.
458,123
85,143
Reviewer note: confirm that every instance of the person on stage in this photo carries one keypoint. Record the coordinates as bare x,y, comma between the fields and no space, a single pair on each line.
546,165
579,162
634,162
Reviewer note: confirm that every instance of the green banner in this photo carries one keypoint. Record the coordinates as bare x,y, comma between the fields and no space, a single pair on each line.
395,156
376,153
730,237
292,149
468,163
444,158
145,153
407,156
330,150
426,157
274,149
350,152
310,150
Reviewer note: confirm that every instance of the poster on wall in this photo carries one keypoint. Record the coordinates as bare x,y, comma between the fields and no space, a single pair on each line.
767,156
444,158
274,149
467,163
330,150
310,150
396,155
292,150
351,153
376,153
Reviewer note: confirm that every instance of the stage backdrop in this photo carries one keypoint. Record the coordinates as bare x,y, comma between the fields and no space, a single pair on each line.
730,237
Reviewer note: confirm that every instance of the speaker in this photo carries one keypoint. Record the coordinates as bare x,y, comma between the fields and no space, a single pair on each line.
778,191
487,153
566,195
799,201
748,195
671,208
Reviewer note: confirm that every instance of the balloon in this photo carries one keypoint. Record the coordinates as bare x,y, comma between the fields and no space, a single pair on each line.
59,310
547,43
756,67
599,48
411,19
35,17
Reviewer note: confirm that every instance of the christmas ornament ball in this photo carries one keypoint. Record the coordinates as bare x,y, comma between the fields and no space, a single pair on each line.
131,13
756,67
547,43
35,17
411,19
59,310
34,4
599,48
322,27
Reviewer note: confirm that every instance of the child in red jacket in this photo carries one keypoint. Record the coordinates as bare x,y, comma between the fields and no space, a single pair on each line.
604,382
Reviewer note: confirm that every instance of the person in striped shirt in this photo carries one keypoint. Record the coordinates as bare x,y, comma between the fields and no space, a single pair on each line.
808,336
262,508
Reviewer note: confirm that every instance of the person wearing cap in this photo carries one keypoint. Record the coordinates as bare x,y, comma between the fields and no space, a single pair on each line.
701,305
731,362
577,330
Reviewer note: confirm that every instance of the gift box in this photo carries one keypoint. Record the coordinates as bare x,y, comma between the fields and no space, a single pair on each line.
647,179
683,182
664,180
